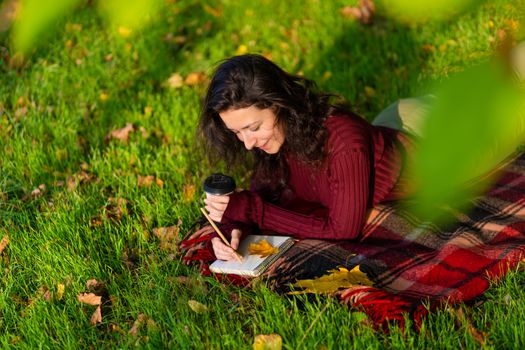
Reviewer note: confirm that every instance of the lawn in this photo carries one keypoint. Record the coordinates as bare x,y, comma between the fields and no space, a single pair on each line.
98,148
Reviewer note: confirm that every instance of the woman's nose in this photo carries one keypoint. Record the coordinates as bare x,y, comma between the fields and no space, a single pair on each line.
249,141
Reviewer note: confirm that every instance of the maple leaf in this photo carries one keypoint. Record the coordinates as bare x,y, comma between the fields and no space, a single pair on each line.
97,316
89,298
197,307
268,342
3,243
262,248
333,281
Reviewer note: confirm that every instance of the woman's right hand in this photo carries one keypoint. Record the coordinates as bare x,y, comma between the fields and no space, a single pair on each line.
222,251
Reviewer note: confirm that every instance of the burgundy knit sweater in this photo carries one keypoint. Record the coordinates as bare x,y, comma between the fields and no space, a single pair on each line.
330,202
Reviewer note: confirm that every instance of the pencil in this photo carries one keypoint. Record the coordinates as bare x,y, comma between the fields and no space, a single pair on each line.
237,255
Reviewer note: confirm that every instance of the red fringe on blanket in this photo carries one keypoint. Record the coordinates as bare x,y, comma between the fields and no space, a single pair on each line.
383,307
198,250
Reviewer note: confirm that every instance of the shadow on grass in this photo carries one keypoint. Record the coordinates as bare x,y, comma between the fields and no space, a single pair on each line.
372,65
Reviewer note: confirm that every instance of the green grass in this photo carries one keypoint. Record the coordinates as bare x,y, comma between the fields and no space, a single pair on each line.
53,122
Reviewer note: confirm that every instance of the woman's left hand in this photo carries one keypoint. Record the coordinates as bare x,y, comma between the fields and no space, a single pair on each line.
216,205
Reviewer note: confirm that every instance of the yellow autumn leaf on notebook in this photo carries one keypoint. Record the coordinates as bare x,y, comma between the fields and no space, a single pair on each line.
262,248
333,281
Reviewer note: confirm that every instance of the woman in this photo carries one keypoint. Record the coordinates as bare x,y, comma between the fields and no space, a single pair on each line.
318,168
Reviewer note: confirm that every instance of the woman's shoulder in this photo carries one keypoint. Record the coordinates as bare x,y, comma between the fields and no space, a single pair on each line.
347,130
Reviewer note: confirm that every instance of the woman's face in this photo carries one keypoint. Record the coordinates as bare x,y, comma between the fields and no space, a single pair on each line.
255,128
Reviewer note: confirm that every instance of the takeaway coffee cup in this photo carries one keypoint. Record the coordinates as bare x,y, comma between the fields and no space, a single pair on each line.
219,185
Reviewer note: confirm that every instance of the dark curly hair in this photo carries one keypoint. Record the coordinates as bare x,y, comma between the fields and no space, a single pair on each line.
252,80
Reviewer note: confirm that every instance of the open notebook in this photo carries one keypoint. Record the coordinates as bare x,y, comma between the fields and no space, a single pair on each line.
253,265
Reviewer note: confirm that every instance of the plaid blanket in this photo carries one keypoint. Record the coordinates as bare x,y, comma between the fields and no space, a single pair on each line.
415,266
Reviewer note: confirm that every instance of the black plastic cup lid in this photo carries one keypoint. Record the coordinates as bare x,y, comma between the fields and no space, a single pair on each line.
219,184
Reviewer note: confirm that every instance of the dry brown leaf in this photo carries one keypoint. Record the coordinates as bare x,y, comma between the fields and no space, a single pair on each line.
8,12
92,283
145,181
167,236
137,324
262,248
195,78
480,337
364,12
268,342
121,134
89,298
39,191
197,307
197,284
332,282
96,317
47,295
143,132
3,243
175,81
21,112
116,208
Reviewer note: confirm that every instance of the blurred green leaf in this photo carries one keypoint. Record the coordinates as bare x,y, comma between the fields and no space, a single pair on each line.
36,17
417,11
477,120
130,14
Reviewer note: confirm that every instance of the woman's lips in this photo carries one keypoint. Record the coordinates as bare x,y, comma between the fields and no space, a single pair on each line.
263,147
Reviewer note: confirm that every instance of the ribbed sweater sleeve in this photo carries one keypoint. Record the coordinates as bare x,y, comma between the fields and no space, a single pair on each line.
349,187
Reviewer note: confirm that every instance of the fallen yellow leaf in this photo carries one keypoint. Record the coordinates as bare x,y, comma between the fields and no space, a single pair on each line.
241,50
332,282
268,342
197,307
124,31
370,91
262,248
212,11
60,291
188,192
